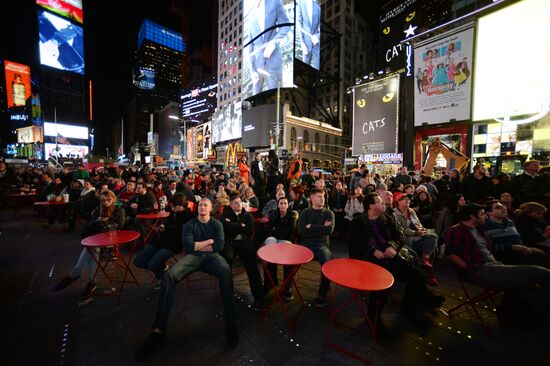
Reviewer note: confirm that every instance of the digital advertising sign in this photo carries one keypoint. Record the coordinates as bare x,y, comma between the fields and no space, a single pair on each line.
18,83
144,78
203,134
199,103
396,25
268,38
66,131
61,43
227,122
308,32
71,9
65,150
258,125
375,117
443,77
161,35
512,82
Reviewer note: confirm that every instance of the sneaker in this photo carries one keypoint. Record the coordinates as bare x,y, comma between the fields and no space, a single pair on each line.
151,344
232,335
260,306
287,296
321,301
88,291
64,283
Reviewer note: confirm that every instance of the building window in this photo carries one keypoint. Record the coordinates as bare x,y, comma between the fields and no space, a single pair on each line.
292,138
317,148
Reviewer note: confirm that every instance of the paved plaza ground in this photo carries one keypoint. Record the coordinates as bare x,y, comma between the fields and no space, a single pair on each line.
41,327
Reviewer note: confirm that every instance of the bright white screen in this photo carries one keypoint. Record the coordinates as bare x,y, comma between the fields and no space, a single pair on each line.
76,132
511,63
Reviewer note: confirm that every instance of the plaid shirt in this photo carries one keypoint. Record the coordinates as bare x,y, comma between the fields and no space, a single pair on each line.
460,241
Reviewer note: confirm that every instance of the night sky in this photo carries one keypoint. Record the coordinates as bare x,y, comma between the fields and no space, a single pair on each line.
110,29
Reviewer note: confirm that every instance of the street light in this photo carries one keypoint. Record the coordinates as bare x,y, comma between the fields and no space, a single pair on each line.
277,126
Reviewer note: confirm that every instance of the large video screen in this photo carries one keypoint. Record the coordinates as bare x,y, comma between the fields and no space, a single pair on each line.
227,122
61,43
63,130
259,125
308,32
512,82
71,9
144,78
268,38
18,83
66,150
199,103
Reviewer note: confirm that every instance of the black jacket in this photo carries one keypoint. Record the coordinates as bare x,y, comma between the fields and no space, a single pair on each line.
171,237
146,204
282,228
233,227
360,231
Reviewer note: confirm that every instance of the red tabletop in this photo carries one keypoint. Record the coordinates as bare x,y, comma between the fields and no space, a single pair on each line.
48,203
154,215
252,209
357,275
285,254
110,238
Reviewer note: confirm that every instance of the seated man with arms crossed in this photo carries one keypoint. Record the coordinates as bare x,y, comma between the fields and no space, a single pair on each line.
203,239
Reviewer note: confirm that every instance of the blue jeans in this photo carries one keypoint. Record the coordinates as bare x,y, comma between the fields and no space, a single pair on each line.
85,260
322,254
153,259
213,264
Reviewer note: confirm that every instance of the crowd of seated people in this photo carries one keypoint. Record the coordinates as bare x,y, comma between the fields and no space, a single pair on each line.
494,231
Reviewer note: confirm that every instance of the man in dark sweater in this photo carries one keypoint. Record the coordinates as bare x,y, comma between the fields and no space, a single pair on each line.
477,187
507,243
203,239
314,227
403,177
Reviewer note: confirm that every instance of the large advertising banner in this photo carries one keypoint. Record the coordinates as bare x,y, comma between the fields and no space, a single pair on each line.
61,43
69,151
144,78
397,24
443,78
375,117
268,38
199,103
71,9
18,83
227,122
512,82
259,125
308,32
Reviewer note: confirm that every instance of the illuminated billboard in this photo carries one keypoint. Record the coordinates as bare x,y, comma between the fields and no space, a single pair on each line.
375,117
71,9
443,77
258,125
18,83
65,150
203,141
227,122
308,32
268,38
61,43
144,78
512,82
396,24
161,35
65,131
199,103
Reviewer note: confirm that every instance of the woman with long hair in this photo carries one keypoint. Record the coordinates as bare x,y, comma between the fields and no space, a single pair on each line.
354,206
102,219
425,209
338,200
298,200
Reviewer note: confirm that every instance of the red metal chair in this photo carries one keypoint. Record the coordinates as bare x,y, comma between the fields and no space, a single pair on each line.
471,301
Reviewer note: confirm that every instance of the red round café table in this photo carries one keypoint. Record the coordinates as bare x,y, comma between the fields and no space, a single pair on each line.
156,217
113,239
358,276
287,255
